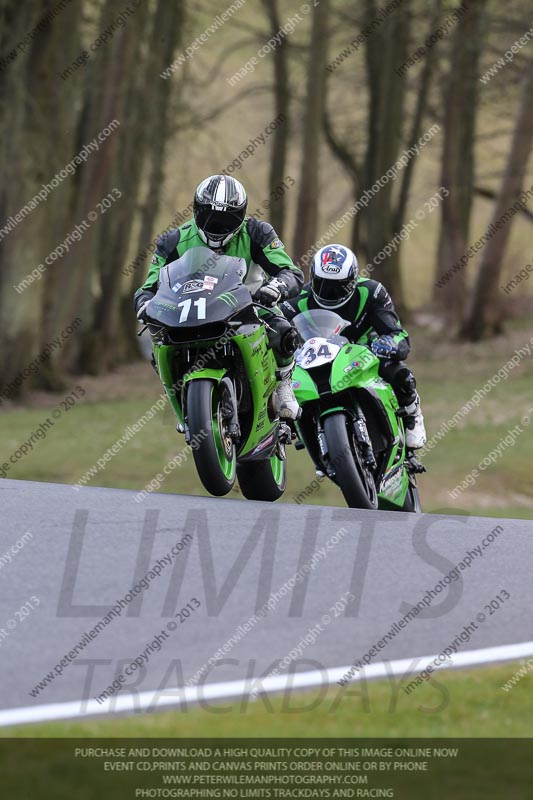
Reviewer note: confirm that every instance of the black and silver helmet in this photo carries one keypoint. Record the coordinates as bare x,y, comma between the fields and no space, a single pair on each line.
219,209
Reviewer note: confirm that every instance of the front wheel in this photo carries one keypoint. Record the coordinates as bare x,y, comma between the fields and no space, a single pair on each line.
355,480
213,450
263,480
412,500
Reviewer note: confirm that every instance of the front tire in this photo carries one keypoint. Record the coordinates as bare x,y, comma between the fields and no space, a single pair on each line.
214,452
263,480
355,481
412,500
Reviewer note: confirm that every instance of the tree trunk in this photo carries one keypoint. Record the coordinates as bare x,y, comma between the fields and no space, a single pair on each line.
31,117
346,158
280,139
418,118
170,18
307,215
457,172
78,272
385,49
484,314
103,345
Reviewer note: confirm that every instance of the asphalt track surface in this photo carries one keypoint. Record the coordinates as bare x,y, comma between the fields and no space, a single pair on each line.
88,548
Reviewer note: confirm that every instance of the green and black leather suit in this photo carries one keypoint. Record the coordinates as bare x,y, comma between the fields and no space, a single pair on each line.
259,245
370,310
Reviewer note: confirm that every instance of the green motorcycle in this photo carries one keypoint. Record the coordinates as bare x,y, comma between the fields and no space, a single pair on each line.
211,353
349,423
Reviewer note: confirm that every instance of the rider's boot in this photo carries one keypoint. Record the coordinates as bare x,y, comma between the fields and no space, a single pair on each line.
415,431
287,404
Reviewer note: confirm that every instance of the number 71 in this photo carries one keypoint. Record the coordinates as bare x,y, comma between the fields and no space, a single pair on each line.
185,306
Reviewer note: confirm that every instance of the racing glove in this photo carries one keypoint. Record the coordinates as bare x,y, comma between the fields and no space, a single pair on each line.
384,347
141,301
271,293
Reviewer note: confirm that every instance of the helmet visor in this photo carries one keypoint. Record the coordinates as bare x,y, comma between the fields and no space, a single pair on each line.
218,223
332,293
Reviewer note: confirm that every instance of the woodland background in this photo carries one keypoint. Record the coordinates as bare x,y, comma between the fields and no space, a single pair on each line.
349,110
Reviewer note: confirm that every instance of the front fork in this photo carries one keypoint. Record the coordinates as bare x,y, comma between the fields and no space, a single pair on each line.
229,408
362,438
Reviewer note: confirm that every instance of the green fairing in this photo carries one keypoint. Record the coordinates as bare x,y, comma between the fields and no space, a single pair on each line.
329,411
259,361
343,377
364,376
211,374
304,387
395,495
163,355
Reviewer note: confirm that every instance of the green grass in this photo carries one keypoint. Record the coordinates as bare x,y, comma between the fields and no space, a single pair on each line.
468,703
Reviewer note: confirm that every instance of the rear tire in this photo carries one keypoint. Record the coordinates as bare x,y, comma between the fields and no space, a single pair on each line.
356,483
263,480
214,454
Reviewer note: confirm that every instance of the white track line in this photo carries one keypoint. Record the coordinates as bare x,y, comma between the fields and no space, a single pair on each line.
183,696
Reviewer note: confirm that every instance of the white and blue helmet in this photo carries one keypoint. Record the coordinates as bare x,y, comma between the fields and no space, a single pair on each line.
334,274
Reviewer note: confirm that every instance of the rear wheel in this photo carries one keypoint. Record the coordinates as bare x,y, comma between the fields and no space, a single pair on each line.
263,480
355,480
214,452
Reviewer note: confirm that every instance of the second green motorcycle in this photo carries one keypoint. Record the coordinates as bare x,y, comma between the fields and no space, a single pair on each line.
350,424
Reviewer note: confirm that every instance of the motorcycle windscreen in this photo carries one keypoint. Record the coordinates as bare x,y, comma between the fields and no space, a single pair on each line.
316,322
199,288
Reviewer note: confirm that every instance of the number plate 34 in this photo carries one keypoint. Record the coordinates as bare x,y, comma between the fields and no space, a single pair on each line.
316,352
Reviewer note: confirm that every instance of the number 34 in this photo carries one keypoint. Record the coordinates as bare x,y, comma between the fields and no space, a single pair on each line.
311,354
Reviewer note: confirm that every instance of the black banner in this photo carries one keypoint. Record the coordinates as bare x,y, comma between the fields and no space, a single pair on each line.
439,769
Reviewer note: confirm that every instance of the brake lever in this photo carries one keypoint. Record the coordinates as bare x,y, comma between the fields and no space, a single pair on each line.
140,333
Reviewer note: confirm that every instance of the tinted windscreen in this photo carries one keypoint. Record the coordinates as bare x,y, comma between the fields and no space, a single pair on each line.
318,322
199,262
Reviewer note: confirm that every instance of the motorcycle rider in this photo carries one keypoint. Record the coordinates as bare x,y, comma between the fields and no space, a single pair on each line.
336,285
220,223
